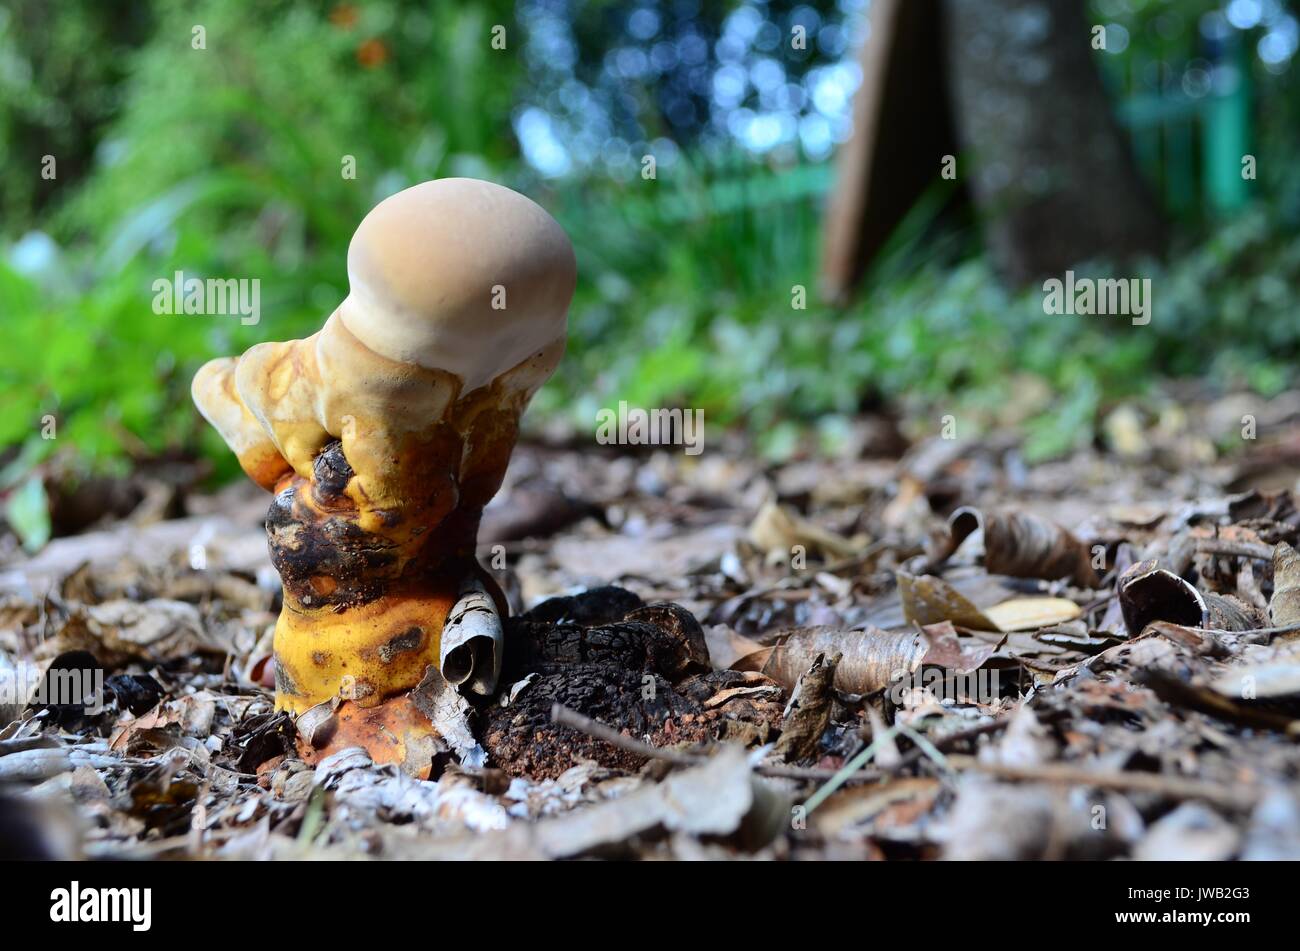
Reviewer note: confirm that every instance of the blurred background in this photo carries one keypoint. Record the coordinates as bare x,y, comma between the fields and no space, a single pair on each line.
225,161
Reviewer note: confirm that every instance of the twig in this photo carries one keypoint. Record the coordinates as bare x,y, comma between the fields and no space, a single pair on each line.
593,728
1157,627
924,746
846,772
1231,549
563,716
1175,787
952,739
1176,692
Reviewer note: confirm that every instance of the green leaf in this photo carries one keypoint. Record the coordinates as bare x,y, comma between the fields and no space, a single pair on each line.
28,513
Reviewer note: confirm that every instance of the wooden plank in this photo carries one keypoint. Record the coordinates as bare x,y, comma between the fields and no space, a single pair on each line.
901,131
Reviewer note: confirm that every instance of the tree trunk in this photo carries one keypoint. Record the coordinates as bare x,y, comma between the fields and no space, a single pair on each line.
1048,165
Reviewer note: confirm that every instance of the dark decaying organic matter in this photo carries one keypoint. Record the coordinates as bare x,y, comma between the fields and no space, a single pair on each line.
643,669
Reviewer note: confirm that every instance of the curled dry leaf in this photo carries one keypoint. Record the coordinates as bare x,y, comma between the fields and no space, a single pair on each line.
808,713
1284,606
777,530
1024,546
316,725
1148,593
472,641
869,658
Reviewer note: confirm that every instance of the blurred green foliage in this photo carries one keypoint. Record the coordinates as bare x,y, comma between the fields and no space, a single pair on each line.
227,161
61,83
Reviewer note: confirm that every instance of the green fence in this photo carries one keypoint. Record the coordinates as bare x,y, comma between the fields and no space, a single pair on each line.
1192,148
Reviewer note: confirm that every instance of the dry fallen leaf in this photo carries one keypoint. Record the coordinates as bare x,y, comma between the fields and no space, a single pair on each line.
1030,614
1277,678
870,658
948,649
777,531
720,797
850,810
1284,606
1192,832
120,631
1148,593
1025,546
930,600
808,713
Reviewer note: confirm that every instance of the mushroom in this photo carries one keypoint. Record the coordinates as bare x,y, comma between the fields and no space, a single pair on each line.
384,434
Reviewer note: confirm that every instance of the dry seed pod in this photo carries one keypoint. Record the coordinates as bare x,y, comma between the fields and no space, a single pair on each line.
385,433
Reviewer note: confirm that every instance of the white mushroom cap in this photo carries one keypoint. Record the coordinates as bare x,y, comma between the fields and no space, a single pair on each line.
427,266
405,362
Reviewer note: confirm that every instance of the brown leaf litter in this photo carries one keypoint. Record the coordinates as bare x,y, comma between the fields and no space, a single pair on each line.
948,655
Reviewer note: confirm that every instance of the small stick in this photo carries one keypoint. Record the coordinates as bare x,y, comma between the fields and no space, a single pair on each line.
563,716
952,739
1269,632
1231,549
1175,787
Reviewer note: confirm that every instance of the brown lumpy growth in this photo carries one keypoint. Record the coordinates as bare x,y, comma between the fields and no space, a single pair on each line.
411,639
308,546
331,473
641,669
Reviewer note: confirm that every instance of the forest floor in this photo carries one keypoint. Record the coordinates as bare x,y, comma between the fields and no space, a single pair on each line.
915,649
